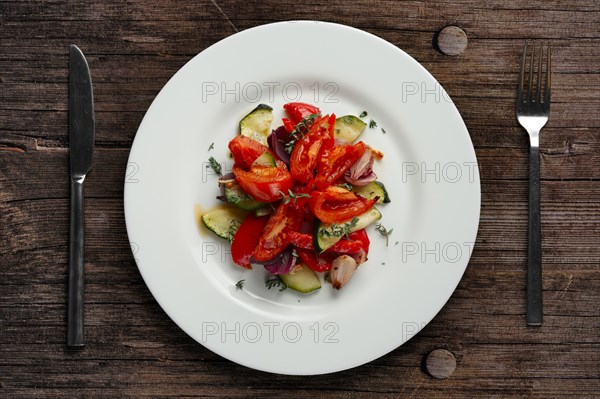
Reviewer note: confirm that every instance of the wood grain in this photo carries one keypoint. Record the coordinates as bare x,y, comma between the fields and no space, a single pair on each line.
135,350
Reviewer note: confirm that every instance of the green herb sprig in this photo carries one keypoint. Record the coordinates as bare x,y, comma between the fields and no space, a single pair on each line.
275,282
384,232
216,166
240,284
292,196
339,230
299,131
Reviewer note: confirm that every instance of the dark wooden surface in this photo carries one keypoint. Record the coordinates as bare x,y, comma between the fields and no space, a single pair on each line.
134,349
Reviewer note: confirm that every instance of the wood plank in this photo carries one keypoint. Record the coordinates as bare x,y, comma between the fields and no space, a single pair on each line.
135,350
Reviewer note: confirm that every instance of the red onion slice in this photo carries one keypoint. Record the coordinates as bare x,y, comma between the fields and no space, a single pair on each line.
282,264
361,172
277,140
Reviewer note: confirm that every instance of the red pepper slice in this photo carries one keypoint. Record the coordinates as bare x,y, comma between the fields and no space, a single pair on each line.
264,183
246,239
274,238
336,161
246,150
344,246
336,204
301,240
298,111
362,237
319,263
356,243
308,149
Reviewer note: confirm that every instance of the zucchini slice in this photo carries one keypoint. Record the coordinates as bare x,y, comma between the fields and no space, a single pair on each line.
237,197
257,123
372,190
224,222
326,235
348,128
304,280
265,159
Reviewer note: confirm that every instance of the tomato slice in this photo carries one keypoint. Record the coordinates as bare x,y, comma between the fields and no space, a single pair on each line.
246,150
288,124
308,149
246,239
319,263
264,183
274,238
336,161
298,111
336,204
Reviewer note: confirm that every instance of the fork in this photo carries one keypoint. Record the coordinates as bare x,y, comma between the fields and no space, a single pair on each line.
533,111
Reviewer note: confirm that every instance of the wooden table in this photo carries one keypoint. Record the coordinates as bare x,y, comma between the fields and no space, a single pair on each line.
134,349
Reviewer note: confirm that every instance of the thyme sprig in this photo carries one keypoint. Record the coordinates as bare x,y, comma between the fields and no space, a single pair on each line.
299,131
339,230
216,166
275,282
384,232
292,196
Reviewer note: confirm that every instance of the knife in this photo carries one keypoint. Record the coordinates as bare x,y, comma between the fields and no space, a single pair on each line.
81,149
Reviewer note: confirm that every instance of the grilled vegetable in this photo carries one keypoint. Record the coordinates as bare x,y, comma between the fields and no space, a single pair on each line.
342,269
372,190
237,197
348,128
303,280
328,234
224,222
257,124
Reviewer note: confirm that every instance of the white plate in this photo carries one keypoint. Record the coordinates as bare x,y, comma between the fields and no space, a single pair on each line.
429,168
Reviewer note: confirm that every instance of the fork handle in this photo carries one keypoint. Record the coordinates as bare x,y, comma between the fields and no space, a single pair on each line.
534,249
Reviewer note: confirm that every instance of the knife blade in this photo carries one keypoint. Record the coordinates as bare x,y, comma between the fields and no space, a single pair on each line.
81,149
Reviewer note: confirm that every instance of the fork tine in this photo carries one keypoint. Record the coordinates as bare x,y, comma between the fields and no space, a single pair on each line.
530,76
538,97
548,73
522,75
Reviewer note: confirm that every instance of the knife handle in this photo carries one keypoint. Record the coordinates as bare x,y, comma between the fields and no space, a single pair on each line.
76,246
534,249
